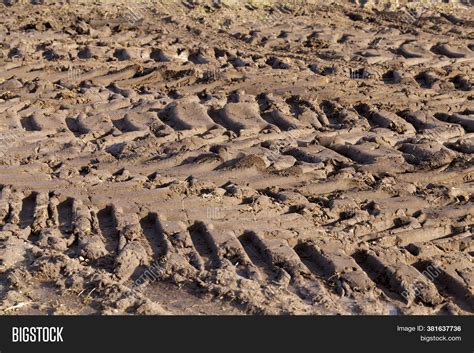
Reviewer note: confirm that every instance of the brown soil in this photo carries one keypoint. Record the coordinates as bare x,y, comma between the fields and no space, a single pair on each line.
203,157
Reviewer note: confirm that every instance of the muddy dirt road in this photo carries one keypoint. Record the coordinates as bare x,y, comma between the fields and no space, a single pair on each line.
200,158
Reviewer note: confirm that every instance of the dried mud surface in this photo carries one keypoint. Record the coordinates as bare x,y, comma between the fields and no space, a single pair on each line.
197,158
